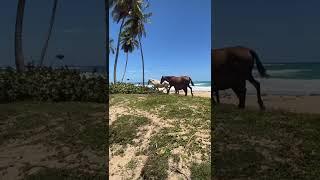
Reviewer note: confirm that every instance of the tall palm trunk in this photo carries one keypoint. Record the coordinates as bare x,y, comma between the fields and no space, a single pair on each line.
44,49
106,11
18,50
117,54
125,67
142,61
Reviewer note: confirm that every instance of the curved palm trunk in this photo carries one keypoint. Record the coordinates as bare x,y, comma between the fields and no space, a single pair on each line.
18,50
117,54
125,67
142,61
44,49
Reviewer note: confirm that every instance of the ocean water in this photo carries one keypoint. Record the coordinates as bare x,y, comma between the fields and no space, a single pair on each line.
289,79
202,85
305,71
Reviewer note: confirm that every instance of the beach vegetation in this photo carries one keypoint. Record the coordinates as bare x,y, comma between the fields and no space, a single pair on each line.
48,84
171,142
129,88
201,171
59,173
125,129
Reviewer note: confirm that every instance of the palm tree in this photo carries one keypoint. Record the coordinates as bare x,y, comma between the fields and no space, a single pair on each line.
136,22
111,48
44,49
128,43
106,19
18,50
120,11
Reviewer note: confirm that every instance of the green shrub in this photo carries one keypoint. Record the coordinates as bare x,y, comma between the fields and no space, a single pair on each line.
128,88
47,84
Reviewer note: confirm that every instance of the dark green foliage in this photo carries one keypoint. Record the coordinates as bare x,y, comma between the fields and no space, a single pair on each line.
47,84
128,88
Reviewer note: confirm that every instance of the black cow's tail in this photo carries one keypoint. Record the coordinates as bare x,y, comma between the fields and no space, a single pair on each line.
260,67
191,81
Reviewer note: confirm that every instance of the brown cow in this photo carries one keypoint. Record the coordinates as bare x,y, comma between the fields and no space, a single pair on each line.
179,83
232,66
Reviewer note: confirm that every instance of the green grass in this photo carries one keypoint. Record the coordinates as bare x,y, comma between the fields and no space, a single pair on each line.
125,129
195,110
201,171
260,145
62,174
187,115
156,167
132,164
72,125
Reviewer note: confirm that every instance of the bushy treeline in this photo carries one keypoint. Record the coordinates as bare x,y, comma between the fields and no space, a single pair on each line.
48,84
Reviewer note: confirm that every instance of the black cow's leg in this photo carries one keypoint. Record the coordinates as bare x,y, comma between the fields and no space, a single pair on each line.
190,90
240,91
217,96
168,90
185,91
256,84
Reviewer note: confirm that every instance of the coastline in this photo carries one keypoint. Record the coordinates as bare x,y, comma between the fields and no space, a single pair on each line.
286,87
293,95
296,104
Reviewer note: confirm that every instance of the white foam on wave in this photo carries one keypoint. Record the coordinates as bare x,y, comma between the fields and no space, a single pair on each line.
284,71
201,88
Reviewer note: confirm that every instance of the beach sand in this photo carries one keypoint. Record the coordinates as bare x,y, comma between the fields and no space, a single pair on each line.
300,96
297,104
206,94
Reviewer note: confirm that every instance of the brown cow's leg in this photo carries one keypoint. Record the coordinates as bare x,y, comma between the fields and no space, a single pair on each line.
256,84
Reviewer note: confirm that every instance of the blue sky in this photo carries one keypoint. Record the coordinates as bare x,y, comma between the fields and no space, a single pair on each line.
280,31
178,42
78,31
